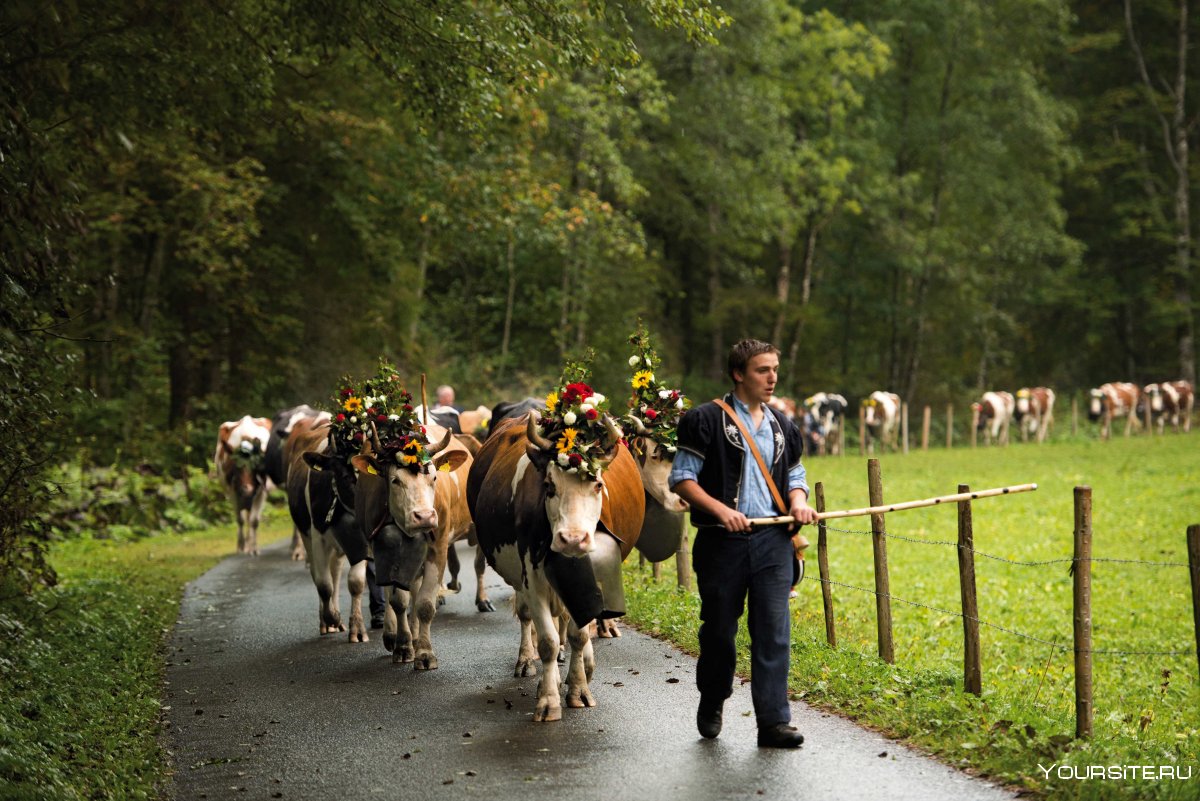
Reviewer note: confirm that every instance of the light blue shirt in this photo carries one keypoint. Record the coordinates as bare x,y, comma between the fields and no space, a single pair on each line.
755,498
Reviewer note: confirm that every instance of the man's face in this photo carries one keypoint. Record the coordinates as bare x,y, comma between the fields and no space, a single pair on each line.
758,381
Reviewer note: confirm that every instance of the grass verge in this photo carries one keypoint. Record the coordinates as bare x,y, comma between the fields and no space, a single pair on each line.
1147,705
83,664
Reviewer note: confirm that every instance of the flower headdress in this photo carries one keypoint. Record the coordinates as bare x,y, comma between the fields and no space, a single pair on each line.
379,411
249,455
575,422
655,408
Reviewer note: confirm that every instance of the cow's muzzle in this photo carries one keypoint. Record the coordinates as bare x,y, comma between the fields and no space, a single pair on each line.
572,542
399,556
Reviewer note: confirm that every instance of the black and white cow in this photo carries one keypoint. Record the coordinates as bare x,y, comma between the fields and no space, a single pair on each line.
276,463
829,409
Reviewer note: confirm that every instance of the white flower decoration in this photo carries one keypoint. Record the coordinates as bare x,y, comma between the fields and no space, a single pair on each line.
633,360
671,449
354,419
569,418
648,364
679,403
664,393
247,446
585,408
596,399
393,417
564,459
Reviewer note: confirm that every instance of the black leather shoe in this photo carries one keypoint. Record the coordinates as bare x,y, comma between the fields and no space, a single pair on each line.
377,621
708,718
780,735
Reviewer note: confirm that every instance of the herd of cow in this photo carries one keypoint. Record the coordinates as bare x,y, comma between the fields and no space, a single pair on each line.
823,415
557,536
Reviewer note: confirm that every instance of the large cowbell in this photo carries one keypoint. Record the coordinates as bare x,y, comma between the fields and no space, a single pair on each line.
662,531
589,586
399,556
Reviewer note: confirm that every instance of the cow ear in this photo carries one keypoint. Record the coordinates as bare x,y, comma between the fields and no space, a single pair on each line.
366,464
539,457
449,460
317,461
265,423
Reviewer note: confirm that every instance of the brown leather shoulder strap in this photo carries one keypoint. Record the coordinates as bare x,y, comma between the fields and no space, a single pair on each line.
783,507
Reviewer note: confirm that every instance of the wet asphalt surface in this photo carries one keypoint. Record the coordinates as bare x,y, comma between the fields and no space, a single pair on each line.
261,706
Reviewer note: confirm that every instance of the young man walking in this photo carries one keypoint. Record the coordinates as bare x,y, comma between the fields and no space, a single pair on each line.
718,473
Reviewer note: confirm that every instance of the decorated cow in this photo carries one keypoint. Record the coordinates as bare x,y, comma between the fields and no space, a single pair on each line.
1034,412
881,418
1113,400
240,464
993,413
276,465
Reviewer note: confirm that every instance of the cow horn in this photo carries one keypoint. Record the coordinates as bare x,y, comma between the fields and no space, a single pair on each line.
375,439
613,429
441,446
534,437
637,423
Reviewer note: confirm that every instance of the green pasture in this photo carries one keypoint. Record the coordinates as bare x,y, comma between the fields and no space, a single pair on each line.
83,663
1146,491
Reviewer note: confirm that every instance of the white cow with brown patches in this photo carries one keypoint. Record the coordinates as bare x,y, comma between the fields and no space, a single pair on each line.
993,412
1171,401
1035,412
881,416
1112,400
239,462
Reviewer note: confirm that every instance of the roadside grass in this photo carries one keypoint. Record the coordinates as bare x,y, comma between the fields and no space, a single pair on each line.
83,663
1147,707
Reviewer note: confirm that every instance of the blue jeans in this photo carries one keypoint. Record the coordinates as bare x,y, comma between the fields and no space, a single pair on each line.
729,567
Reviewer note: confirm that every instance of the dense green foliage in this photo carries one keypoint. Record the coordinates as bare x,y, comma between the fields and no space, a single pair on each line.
214,209
1145,494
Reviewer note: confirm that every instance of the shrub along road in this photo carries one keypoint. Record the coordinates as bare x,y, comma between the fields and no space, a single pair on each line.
260,703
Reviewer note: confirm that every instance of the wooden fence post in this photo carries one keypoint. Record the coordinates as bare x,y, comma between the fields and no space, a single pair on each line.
949,425
823,566
1193,548
862,432
972,673
904,424
1146,415
925,430
1083,612
974,425
883,601
1074,415
683,561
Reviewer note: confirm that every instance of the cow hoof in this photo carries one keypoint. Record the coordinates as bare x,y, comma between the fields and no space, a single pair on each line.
359,635
580,697
525,667
545,712
425,661
297,554
454,586
389,642
441,601
403,654
562,655
485,606
606,629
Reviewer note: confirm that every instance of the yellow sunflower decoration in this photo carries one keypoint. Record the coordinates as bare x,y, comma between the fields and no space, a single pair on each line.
567,440
353,405
642,379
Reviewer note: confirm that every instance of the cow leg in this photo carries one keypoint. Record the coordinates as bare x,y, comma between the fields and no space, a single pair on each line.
299,552
527,653
397,624
482,603
356,580
549,704
426,608
260,499
335,578
453,566
583,663
242,513
328,618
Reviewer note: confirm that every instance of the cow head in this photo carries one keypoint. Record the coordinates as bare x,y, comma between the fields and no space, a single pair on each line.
1095,404
411,487
573,500
1022,407
654,462
872,416
1154,397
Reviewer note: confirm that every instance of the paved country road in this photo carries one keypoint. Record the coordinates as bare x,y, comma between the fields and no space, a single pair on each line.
263,707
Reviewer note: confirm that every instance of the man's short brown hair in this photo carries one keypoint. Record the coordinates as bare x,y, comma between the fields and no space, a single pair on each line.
742,352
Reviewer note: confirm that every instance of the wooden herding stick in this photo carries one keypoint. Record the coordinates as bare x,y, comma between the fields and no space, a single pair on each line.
424,403
898,507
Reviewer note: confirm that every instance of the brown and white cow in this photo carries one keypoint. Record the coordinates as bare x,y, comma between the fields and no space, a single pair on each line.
276,464
993,413
1035,412
1116,399
427,500
1171,401
239,462
881,415
558,539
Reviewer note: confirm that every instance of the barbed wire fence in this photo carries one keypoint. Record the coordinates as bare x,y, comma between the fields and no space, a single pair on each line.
1081,562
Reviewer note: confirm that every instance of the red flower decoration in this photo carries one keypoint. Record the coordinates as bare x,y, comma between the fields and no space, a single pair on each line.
381,418
347,393
575,459
423,431
358,436
341,417
575,392
408,407
651,414
591,414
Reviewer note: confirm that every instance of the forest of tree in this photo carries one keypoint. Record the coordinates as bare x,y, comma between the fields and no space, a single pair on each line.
216,208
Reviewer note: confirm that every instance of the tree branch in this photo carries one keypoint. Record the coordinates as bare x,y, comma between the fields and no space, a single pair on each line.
1141,63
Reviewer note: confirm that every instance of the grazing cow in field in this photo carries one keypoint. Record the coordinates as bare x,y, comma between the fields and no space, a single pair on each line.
1116,399
881,416
1035,412
321,487
558,539
239,463
1171,400
993,413
425,500
829,409
276,464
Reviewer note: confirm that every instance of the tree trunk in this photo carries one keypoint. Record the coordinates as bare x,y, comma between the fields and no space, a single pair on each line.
783,287
806,277
512,293
716,339
422,272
